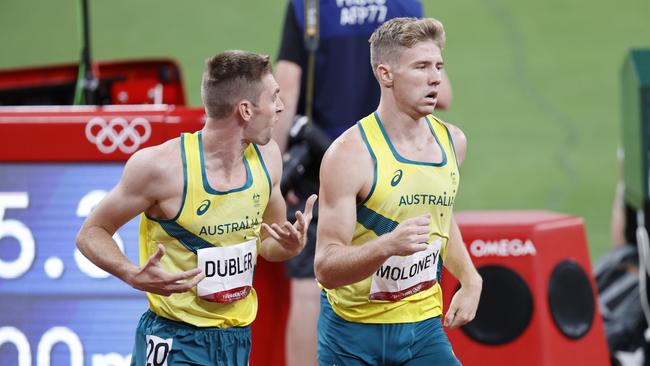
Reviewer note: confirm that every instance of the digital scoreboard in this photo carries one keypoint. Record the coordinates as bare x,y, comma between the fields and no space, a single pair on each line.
56,307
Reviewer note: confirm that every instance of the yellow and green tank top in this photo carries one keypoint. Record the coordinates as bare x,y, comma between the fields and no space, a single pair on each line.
207,218
402,189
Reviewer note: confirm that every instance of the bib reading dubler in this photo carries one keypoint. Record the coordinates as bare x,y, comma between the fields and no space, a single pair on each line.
228,272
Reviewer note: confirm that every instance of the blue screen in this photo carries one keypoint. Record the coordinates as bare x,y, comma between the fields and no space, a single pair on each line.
56,308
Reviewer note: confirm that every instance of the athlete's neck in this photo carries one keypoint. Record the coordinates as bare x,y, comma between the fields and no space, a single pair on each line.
223,144
402,126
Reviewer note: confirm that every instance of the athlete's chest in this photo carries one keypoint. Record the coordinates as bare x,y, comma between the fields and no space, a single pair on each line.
401,185
225,218
425,151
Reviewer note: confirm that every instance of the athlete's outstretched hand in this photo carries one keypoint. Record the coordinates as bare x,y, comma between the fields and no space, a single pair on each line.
293,237
463,307
153,278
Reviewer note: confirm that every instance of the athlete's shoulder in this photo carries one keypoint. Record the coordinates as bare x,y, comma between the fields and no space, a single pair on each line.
272,158
269,149
169,149
152,163
347,162
348,144
458,138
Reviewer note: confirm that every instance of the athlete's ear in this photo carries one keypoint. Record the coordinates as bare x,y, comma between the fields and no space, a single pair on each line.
245,109
384,75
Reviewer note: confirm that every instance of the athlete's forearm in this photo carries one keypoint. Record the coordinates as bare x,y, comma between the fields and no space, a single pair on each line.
96,244
458,261
462,268
338,265
272,251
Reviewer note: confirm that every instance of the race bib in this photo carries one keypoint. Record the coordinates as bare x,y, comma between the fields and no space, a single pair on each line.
400,277
228,271
158,350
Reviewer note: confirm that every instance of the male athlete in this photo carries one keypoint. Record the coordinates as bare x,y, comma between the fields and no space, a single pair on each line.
340,70
386,227
204,197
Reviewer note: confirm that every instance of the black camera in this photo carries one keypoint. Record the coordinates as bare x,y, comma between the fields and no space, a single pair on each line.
308,144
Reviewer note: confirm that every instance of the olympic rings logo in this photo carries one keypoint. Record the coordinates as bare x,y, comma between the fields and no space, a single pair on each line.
118,134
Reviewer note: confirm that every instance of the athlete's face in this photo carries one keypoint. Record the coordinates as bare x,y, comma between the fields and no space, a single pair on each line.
416,78
265,112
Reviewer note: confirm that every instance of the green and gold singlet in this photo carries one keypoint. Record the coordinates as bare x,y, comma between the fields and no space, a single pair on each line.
404,289
210,219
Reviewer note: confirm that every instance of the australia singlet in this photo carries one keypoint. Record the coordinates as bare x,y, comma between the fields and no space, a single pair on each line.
217,231
404,289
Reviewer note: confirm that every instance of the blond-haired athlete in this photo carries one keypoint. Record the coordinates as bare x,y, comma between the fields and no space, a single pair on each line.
386,226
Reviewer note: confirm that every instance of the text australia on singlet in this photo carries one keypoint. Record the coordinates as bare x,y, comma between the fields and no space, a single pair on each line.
427,199
229,227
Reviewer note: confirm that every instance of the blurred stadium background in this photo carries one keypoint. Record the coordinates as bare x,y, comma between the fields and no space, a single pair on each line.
536,83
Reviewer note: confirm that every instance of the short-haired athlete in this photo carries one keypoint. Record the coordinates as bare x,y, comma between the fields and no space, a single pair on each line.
387,189
204,198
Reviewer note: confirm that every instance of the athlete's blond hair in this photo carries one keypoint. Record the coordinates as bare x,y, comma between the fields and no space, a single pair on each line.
392,37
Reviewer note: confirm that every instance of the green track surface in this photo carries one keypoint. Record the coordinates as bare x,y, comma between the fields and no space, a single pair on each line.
536,83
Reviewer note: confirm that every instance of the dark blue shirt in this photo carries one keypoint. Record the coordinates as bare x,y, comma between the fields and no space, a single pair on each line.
345,89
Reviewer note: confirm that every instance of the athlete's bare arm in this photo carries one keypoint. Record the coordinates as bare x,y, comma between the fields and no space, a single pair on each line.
464,303
145,186
288,75
347,173
281,240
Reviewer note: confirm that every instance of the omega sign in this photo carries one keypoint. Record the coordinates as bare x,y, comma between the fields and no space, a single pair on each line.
118,134
502,248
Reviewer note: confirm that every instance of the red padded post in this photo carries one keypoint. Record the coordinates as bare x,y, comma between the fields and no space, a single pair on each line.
536,246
